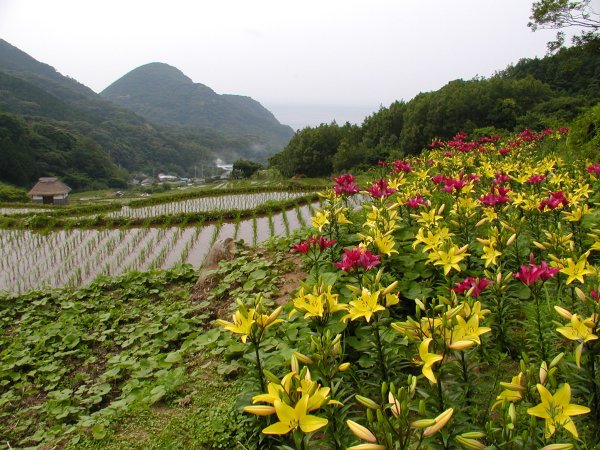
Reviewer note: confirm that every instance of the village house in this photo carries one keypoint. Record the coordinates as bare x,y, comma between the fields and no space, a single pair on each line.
50,190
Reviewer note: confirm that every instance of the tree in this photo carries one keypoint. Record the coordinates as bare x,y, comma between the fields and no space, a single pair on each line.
560,14
243,168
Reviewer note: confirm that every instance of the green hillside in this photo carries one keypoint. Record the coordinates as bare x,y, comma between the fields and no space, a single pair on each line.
163,94
34,96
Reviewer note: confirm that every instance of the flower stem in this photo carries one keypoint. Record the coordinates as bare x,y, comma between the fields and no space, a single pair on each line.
539,325
380,360
261,377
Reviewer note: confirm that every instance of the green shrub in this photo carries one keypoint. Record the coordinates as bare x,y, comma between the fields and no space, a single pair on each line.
9,193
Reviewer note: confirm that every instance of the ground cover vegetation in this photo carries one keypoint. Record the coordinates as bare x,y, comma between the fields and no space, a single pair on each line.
75,363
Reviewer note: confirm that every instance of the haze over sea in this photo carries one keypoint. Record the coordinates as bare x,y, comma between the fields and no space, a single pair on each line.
301,116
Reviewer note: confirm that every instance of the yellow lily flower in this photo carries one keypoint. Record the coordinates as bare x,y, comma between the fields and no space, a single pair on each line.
319,220
490,255
319,303
577,330
450,259
385,245
242,323
577,214
466,333
340,216
431,240
429,359
365,306
576,270
292,418
513,391
556,410
429,218
274,392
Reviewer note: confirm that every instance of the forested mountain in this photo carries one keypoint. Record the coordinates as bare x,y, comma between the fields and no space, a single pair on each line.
534,93
164,95
47,118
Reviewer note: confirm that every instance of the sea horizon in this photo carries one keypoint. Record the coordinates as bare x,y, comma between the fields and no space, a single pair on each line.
302,116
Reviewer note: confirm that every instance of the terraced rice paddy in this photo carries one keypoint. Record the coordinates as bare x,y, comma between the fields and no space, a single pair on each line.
217,203
32,260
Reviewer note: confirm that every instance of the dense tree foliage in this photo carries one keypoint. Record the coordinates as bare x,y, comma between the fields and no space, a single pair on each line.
44,148
243,168
310,151
534,93
584,137
10,193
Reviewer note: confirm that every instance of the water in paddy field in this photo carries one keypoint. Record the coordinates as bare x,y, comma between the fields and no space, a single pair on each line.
246,232
74,257
201,246
263,231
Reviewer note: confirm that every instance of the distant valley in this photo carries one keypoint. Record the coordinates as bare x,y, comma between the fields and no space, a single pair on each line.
152,119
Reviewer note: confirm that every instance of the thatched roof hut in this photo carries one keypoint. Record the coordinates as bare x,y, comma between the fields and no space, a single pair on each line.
50,190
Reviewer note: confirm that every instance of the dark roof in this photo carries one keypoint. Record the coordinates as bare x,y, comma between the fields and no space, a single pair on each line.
49,186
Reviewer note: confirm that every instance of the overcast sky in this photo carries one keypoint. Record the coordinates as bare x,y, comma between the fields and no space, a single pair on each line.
346,54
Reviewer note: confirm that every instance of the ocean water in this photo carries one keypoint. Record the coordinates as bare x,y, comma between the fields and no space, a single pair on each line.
301,116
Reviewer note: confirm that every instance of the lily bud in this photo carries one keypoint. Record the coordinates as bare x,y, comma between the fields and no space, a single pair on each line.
390,288
396,407
271,377
543,372
580,294
440,422
557,447
337,339
461,345
557,359
260,410
384,389
473,435
441,209
470,443
367,447
412,383
565,314
511,239
422,423
294,364
365,401
273,316
512,413
343,367
361,432
303,358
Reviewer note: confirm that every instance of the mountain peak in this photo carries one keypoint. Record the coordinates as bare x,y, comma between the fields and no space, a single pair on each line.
163,94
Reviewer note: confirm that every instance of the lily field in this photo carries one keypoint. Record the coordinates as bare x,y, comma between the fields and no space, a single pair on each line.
444,301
